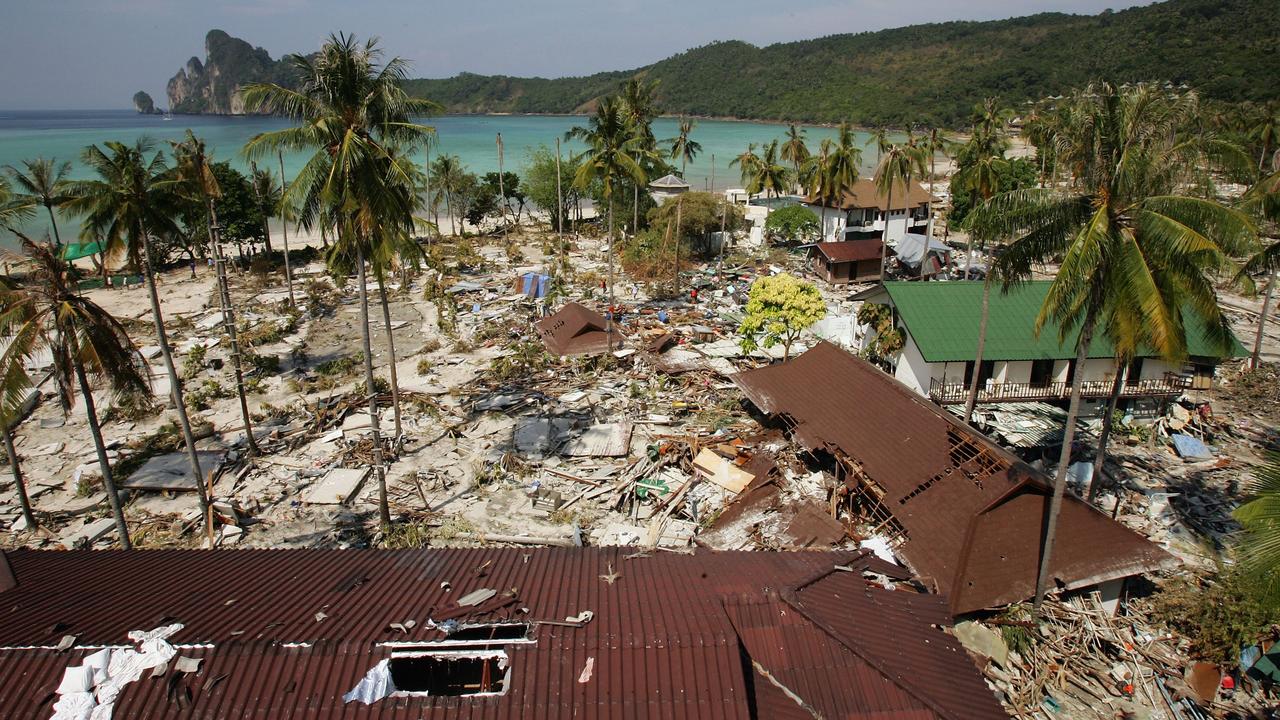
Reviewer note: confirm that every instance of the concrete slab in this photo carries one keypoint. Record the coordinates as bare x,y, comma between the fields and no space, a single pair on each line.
172,471
604,440
337,487
87,534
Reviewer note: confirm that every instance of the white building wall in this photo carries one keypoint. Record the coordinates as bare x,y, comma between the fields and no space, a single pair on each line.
912,370
1014,371
1155,368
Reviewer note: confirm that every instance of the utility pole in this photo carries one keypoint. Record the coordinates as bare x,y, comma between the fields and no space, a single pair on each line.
284,228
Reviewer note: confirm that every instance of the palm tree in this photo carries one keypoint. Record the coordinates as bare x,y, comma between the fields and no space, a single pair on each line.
795,151
46,314
285,215
748,166
44,182
351,113
1266,131
682,148
1259,547
194,173
935,141
12,212
1125,236
880,138
639,105
612,148
982,178
818,180
267,195
899,164
133,198
762,174
1263,199
448,172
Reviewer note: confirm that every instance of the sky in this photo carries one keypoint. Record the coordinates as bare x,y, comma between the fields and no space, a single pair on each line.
94,54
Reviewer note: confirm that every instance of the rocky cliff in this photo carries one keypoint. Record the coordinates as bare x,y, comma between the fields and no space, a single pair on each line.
213,86
143,103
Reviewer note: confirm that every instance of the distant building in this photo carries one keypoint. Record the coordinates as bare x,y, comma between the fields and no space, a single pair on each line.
840,263
863,212
939,322
667,187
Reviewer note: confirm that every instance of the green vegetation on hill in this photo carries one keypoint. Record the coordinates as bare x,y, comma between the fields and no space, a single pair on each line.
931,74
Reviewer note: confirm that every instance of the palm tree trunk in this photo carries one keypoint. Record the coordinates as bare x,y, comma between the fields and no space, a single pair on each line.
1256,359
384,511
635,208
284,230
608,318
448,208
175,382
1100,456
391,347
104,465
229,320
57,239
1064,461
24,501
972,400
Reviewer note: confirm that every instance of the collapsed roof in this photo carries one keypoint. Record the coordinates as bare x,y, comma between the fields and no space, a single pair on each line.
286,633
574,330
971,515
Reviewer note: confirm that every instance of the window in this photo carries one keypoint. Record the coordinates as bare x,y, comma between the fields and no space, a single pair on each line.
1041,373
449,672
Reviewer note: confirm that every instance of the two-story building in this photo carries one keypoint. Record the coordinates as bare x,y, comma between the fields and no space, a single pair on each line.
863,212
940,322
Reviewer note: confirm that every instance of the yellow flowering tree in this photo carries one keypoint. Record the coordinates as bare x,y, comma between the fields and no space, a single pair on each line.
779,308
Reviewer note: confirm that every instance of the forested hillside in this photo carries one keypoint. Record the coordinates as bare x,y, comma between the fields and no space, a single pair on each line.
932,74
929,73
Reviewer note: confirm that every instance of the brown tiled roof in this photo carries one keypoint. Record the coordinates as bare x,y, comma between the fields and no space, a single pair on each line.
664,639
951,488
862,194
575,330
850,250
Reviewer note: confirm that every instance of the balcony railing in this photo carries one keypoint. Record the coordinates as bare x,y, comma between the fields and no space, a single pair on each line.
1171,385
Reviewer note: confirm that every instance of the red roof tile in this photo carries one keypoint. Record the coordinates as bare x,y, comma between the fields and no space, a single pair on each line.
850,250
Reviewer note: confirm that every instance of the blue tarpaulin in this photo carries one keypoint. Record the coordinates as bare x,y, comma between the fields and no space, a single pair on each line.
534,284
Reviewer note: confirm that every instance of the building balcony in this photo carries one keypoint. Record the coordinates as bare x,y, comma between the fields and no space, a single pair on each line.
1169,386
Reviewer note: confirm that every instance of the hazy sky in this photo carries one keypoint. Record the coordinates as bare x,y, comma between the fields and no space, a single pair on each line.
57,54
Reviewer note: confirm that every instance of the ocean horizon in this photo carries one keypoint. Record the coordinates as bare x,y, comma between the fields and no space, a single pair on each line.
64,134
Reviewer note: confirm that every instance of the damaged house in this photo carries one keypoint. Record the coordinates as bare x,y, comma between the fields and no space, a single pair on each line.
477,633
573,330
967,516
939,324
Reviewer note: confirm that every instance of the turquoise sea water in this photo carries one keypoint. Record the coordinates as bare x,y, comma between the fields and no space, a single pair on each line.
63,135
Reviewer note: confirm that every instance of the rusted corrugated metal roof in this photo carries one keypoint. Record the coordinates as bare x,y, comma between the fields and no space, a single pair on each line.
574,330
850,250
661,640
939,476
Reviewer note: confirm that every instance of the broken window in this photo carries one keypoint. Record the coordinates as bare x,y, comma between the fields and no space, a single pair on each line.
452,673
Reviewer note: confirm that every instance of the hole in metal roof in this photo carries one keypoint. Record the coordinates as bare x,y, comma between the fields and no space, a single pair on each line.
449,673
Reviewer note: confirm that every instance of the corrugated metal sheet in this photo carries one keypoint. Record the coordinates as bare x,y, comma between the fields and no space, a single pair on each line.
574,330
943,319
661,641
939,476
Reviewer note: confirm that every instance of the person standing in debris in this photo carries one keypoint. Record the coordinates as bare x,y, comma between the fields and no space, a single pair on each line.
693,296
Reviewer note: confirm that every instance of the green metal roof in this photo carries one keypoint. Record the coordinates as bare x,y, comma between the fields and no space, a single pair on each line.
943,319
